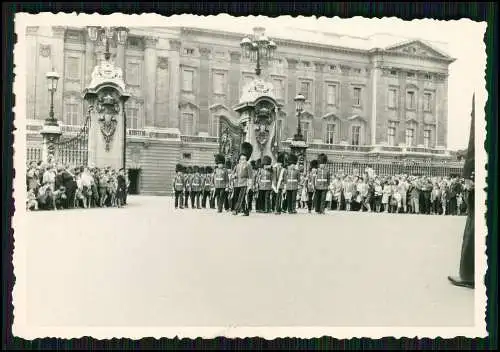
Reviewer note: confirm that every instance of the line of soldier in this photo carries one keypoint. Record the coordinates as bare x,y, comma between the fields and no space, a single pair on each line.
234,189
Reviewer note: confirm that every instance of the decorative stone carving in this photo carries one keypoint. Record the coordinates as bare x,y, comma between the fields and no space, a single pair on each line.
108,108
345,69
106,71
256,89
150,42
175,44
45,50
204,52
162,63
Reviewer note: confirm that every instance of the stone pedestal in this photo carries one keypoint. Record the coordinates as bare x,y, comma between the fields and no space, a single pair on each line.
299,147
258,109
106,96
50,134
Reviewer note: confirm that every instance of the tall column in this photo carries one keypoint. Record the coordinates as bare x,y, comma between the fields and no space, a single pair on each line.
58,58
150,71
175,89
319,99
205,87
234,78
120,56
31,84
373,125
162,92
90,59
291,119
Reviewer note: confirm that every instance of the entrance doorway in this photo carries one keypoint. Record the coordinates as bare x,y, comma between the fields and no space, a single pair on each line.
134,176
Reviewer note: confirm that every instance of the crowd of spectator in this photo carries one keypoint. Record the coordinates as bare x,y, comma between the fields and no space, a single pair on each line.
53,186
394,194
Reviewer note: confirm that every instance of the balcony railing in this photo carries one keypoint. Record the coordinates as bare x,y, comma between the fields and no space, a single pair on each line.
199,139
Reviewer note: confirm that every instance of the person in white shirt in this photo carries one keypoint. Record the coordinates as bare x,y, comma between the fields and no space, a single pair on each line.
49,177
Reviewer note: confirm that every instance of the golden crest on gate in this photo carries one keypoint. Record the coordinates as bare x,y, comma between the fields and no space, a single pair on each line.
108,108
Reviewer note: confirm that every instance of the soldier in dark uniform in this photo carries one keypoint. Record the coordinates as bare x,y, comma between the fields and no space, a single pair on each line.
228,202
278,182
243,180
187,185
258,201
311,179
292,183
221,182
207,186
253,165
466,272
322,181
178,186
195,188
265,185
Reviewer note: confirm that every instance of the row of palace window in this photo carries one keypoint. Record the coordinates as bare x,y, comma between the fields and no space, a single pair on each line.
411,100
73,113
409,136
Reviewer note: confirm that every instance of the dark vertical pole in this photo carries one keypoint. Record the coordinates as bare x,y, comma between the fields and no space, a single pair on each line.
124,140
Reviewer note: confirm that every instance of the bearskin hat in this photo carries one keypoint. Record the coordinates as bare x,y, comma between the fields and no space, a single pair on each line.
196,168
281,158
178,168
313,164
219,159
266,160
258,164
322,158
292,159
246,149
189,169
228,165
253,164
209,170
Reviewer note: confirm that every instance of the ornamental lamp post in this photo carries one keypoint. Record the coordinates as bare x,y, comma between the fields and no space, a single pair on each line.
259,48
106,34
52,79
298,145
299,108
51,131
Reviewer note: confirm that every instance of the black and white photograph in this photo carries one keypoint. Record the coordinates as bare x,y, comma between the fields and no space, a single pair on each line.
204,176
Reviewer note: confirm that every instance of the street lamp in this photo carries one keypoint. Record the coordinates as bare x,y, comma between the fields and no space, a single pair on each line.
299,107
259,48
105,34
52,79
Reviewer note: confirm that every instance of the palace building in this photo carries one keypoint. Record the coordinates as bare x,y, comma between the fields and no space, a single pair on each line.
378,101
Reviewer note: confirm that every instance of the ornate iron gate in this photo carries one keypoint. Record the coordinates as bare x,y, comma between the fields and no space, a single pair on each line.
230,139
73,150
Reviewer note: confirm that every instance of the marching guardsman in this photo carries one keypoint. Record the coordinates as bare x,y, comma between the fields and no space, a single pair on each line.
207,186
322,181
178,186
311,180
265,184
195,188
251,191
243,177
292,183
221,182
228,200
187,185
278,183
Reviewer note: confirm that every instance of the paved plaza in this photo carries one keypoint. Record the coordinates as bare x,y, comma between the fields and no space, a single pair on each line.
150,265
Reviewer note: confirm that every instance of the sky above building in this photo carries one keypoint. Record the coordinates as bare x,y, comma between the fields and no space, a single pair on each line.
462,40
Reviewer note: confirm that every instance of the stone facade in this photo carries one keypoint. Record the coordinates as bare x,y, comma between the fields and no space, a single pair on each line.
182,80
